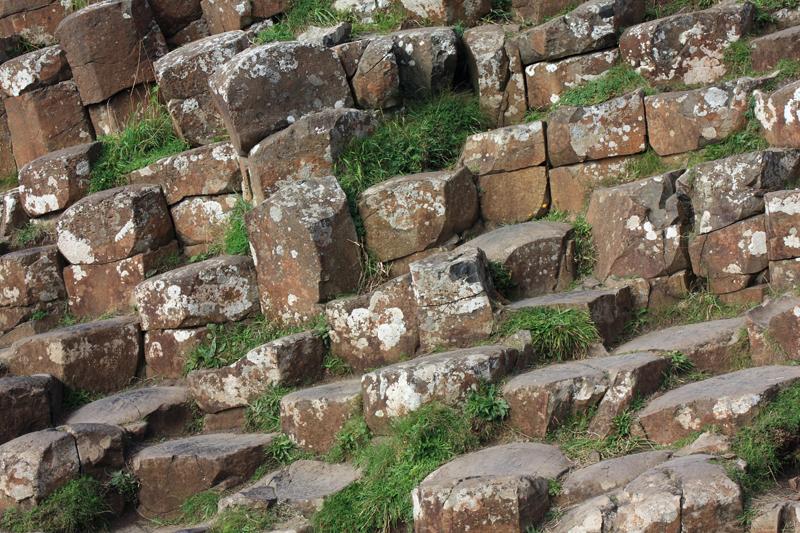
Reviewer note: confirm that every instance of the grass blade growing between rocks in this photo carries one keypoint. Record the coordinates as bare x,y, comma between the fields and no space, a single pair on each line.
584,252
557,334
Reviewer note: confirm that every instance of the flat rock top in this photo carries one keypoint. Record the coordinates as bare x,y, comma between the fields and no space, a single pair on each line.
595,367
309,479
80,330
339,390
10,384
517,235
129,406
768,310
214,446
681,337
572,298
480,352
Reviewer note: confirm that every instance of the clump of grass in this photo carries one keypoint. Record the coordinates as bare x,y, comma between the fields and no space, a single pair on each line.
9,182
584,251
336,366
77,507
501,277
557,334
197,508
264,413
738,59
700,306
245,520
350,440
656,9
616,81
486,407
75,398
125,484
681,370
33,234
234,240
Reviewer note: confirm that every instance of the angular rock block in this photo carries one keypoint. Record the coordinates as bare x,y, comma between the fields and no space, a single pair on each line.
397,390
455,299
125,42
136,221
513,197
427,60
408,214
218,290
543,399
377,328
537,255
572,186
327,36
45,120
173,16
313,416
203,219
19,322
613,128
772,329
505,486
208,170
376,81
546,82
645,211
728,402
775,112
266,88
183,76
101,448
768,50
731,189
57,180
172,471
166,350
309,148
228,15
688,47
124,108
34,70
291,360
784,275
505,149
31,276
711,346
35,21
782,222
305,248
29,403
448,11
97,356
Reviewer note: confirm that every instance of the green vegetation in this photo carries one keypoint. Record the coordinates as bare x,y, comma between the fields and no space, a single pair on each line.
197,508
77,507
75,398
264,413
244,520
125,484
557,334
350,440
486,408
681,371
656,9
336,366
33,234
282,451
234,240
501,277
40,314
700,306
585,253
747,140
9,182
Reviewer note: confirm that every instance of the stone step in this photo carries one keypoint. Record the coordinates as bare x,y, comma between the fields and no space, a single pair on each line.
28,403
773,331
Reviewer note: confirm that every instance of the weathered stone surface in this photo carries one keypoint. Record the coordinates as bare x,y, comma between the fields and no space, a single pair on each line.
218,290
196,30
728,402
376,81
513,197
95,290
768,50
547,81
377,328
776,112
122,109
183,76
19,322
57,180
207,170
273,79
427,59
502,488
408,214
454,296
101,448
640,228
166,350
505,149
542,399
731,257
35,465
591,26
496,73
175,15
613,128
172,471
772,329
12,216
396,390
45,120
35,21
305,248
30,276
301,486
313,416
448,11
571,186
326,36
309,148
28,403
165,411
214,212
7,164
782,223
784,275
537,255
125,41
288,361
97,356
349,54
687,47
609,309
228,15
25,73
688,120
731,189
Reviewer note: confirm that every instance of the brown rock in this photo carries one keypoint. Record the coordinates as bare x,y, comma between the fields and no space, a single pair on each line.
195,31
784,275
29,403
7,164
166,350
427,59
35,21
768,50
174,15
775,111
571,186
349,55
448,11
782,224
213,211
327,36
101,448
505,149
513,197
40,68
30,276
122,109
228,15
376,82
773,331
12,216
547,81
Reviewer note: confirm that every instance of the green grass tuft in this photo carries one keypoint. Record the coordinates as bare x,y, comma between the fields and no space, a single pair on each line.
244,520
234,240
264,413
486,407
75,398
585,252
616,81
9,182
501,277
557,334
336,366
350,440
33,234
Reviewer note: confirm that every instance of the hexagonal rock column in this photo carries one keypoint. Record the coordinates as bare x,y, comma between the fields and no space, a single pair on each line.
218,290
448,11
687,47
394,391
30,277
496,73
408,214
547,81
57,180
7,164
455,298
572,186
624,217
377,328
504,488
772,110
376,80
542,399
182,77
34,21
214,212
773,330
782,209
125,41
616,127
537,255
35,465
305,248
28,403
570,34
101,448
100,356
267,88
731,189
166,350
228,15
313,416
291,360
34,70
309,148
769,49
427,59
172,471
115,114
728,402
174,16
